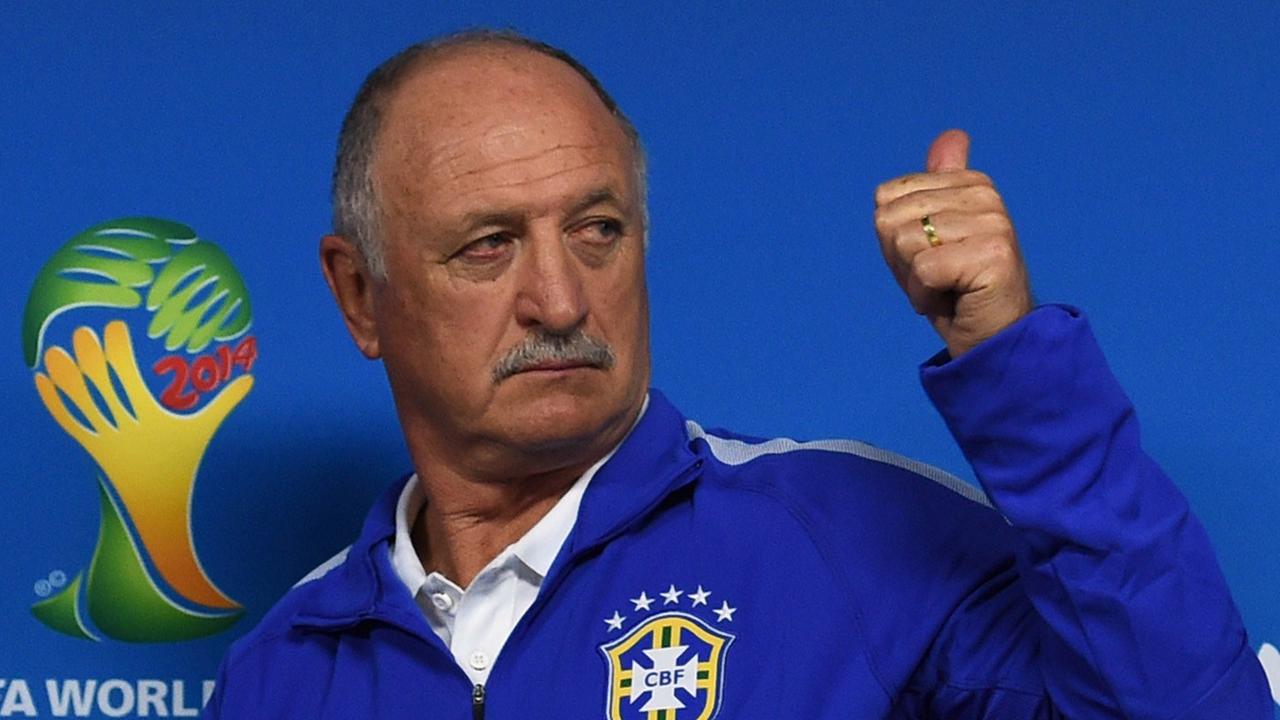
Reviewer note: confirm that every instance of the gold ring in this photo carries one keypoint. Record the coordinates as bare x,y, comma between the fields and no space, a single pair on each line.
930,231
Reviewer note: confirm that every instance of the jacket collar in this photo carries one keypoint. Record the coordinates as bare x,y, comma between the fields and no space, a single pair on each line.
654,461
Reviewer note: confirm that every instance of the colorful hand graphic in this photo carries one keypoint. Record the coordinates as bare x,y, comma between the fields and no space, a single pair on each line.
149,455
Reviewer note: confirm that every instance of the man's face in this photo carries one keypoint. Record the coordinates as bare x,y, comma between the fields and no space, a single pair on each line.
510,212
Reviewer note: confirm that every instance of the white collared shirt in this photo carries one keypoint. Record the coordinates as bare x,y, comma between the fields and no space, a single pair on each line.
474,623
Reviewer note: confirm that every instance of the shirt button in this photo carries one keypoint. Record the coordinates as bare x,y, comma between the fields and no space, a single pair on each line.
479,660
442,601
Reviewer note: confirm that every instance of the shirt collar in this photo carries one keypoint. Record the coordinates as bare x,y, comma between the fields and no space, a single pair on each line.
537,549
403,557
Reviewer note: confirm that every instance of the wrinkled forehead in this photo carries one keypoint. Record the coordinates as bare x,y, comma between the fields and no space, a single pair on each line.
454,123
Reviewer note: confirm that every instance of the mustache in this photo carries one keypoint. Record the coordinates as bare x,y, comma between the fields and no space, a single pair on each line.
543,347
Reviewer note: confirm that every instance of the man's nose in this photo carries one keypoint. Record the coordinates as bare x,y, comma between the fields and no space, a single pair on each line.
551,293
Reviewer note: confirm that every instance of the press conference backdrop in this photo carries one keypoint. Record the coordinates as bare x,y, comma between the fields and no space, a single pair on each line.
164,181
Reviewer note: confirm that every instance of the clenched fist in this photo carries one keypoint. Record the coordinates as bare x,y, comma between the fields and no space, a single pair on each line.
970,280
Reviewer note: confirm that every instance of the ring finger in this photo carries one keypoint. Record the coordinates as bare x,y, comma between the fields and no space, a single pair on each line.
944,228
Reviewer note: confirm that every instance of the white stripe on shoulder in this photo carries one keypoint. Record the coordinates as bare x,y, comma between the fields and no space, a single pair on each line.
324,567
737,452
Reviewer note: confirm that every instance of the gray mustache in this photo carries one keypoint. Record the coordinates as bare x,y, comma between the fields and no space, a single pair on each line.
543,347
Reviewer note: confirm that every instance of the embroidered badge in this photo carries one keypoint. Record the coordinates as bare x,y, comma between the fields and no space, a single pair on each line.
670,664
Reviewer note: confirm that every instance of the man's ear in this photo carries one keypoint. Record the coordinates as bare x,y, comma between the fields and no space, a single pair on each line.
352,286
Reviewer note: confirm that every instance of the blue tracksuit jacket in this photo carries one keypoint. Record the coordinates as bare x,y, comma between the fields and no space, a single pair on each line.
713,575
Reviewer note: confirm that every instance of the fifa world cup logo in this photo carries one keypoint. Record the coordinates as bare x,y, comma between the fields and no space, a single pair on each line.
145,425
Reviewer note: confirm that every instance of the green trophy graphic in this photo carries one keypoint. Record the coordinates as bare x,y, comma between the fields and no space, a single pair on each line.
145,582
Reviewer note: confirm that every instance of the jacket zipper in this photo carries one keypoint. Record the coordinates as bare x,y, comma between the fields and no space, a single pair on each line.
477,692
548,588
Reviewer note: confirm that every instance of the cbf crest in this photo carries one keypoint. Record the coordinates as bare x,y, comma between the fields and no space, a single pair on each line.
670,664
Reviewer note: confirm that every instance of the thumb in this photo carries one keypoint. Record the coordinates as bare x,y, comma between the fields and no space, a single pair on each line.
949,151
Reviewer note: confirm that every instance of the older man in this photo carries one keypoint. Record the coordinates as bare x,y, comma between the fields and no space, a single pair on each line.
570,546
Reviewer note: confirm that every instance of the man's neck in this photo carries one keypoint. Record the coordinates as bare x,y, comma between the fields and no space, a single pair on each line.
465,525
470,517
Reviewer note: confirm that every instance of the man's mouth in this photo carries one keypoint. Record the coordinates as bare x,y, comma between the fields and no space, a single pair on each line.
556,365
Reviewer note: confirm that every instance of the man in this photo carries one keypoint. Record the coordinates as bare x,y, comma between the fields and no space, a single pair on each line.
570,546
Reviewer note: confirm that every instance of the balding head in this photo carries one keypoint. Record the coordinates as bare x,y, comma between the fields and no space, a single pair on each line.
358,210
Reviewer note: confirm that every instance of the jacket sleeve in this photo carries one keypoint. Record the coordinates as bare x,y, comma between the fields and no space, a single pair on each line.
1136,620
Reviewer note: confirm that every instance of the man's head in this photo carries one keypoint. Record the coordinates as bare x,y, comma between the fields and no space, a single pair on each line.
488,246
356,213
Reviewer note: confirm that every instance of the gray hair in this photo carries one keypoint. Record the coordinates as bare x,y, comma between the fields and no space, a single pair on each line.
356,210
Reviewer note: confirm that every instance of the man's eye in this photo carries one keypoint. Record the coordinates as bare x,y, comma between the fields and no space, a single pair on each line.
487,248
603,231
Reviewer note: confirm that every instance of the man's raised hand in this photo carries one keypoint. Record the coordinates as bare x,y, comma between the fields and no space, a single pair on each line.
970,281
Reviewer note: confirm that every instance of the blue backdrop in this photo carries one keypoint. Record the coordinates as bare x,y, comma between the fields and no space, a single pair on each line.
1136,148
